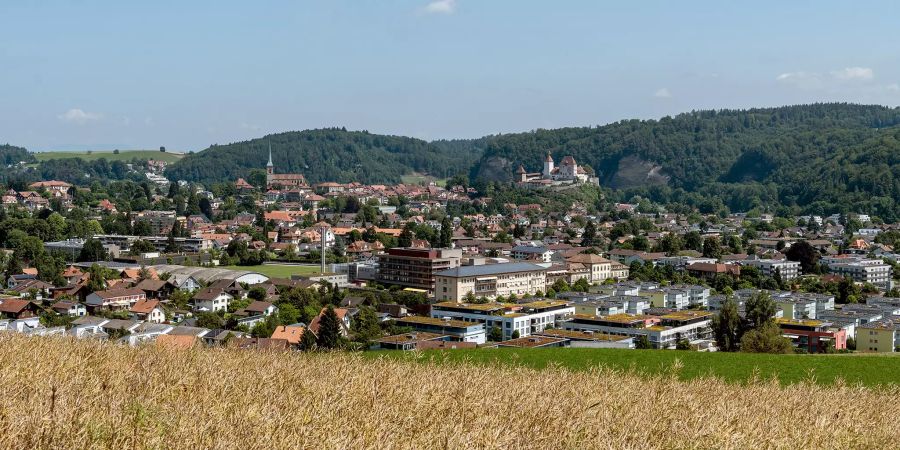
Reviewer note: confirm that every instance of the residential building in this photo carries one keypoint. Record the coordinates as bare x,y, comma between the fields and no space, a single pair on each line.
457,330
115,298
211,300
662,331
531,253
787,270
813,336
882,336
148,310
862,270
599,268
512,319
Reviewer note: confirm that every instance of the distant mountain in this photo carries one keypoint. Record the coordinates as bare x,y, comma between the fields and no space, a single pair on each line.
808,158
330,155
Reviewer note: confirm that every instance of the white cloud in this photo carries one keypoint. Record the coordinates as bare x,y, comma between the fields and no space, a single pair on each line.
893,87
854,73
79,116
441,7
250,126
663,93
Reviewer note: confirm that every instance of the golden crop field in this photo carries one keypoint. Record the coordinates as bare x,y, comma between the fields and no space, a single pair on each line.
59,393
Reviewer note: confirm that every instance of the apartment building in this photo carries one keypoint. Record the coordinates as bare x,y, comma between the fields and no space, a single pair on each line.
458,330
415,267
879,336
524,318
490,281
862,270
662,331
813,336
788,270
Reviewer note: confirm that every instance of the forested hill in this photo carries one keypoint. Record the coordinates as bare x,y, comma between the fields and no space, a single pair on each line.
808,158
330,155
10,154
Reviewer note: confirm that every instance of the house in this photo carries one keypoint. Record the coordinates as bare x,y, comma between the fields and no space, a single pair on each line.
711,271
69,308
251,343
258,308
14,280
16,308
211,299
156,289
115,298
410,341
343,315
531,253
148,310
33,288
293,334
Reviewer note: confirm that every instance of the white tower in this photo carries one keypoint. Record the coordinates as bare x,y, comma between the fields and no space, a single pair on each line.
548,166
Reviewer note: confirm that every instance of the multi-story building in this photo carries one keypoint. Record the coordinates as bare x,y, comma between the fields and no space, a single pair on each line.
490,281
882,336
521,319
531,253
415,267
600,268
662,331
862,270
788,270
458,330
813,336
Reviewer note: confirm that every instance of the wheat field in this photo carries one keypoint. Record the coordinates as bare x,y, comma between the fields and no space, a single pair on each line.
60,393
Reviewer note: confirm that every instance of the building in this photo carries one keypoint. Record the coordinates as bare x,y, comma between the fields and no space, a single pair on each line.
514,320
415,267
879,336
409,341
115,298
490,281
862,270
457,330
788,270
599,268
285,180
211,300
148,310
662,331
711,271
813,336
531,253
568,171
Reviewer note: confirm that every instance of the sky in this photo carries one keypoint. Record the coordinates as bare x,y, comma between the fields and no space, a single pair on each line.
187,74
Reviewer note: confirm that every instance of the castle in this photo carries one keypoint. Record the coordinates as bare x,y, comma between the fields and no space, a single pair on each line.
285,180
568,172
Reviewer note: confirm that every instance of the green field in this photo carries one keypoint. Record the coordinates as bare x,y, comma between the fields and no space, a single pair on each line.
277,271
869,370
417,178
124,155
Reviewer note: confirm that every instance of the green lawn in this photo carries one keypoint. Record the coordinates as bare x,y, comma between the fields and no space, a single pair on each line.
277,271
417,178
870,370
124,155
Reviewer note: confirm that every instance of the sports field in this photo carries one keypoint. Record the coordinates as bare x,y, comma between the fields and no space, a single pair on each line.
277,270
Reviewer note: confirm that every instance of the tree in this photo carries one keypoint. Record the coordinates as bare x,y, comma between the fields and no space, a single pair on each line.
496,334
711,248
142,246
257,293
446,236
727,327
760,310
683,344
142,228
329,330
96,278
307,340
766,339
515,334
366,326
211,320
406,236
805,254
589,236
581,285
642,342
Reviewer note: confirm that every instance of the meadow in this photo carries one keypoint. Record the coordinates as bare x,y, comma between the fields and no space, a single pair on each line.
867,370
62,393
124,155
277,270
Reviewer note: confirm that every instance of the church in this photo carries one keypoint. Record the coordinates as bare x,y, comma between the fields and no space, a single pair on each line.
568,172
284,180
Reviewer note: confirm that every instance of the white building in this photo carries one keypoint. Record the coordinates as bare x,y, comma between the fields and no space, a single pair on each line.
768,267
526,318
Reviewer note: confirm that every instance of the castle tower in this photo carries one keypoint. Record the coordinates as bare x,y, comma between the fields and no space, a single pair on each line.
270,168
548,166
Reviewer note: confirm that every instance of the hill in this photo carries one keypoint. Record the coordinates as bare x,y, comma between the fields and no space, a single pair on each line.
89,394
329,155
123,155
10,154
819,158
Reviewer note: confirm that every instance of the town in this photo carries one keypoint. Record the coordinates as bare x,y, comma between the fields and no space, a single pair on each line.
277,263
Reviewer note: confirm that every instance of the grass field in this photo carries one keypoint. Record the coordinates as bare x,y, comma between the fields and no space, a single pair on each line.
63,393
277,271
417,178
868,370
124,155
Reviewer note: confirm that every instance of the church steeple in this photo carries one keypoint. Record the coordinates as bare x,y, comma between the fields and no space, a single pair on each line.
270,168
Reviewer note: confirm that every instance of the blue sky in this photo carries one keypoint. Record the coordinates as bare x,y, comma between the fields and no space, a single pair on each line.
186,74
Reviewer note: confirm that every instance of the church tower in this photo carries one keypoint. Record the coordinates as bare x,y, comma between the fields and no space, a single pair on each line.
548,166
270,168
